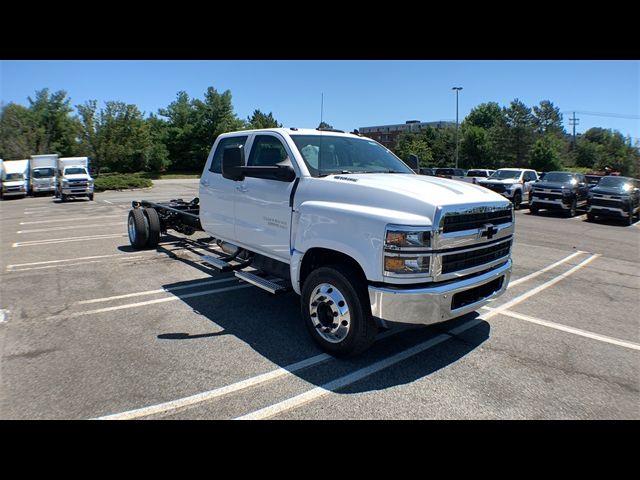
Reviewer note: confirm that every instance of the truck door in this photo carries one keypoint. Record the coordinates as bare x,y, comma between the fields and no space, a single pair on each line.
263,214
218,194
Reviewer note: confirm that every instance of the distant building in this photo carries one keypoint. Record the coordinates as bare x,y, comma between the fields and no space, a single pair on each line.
388,134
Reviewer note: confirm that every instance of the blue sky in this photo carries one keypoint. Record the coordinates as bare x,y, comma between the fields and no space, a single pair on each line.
356,93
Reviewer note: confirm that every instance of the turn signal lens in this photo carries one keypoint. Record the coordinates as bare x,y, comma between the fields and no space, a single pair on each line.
400,265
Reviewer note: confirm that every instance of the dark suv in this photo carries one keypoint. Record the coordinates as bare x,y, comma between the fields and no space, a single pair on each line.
617,197
455,173
564,191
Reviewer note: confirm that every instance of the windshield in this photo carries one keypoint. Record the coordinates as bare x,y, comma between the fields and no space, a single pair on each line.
11,177
505,174
328,154
621,183
75,171
43,173
558,177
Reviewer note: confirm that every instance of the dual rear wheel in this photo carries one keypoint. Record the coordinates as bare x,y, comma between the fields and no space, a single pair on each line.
143,226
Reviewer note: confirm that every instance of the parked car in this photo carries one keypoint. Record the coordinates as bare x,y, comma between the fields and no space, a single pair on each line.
513,183
428,171
454,173
614,196
472,176
565,191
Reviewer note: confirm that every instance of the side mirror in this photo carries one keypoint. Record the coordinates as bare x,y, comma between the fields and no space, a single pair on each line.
232,163
412,163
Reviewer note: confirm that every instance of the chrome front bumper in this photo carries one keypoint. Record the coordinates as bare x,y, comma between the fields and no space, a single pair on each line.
428,305
77,190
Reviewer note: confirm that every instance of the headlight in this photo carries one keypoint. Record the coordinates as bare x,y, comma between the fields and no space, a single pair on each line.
406,264
401,239
405,250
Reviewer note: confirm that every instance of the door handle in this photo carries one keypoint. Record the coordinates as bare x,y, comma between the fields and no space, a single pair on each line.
242,189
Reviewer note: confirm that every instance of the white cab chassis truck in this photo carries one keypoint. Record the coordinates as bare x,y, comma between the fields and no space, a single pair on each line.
73,178
346,225
42,177
15,178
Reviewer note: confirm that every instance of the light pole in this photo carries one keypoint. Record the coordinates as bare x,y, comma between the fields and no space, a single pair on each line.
457,89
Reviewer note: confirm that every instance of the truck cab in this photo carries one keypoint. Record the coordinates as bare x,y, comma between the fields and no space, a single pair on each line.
14,175
361,238
74,179
42,176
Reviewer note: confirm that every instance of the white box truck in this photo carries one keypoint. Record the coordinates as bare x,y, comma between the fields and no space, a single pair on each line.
42,175
73,178
15,178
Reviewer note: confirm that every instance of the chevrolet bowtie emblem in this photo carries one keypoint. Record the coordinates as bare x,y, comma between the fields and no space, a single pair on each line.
488,231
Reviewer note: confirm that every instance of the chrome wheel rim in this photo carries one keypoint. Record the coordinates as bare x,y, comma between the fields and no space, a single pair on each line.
329,313
132,229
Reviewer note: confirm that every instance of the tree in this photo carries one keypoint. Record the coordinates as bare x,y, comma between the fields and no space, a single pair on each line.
180,128
261,120
547,119
20,136
51,112
325,125
485,115
518,133
475,148
158,153
544,154
413,144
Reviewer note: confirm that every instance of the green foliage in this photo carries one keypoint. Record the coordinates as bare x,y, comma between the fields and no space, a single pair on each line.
51,114
517,133
485,115
324,125
261,120
119,181
547,119
20,136
412,144
476,149
544,154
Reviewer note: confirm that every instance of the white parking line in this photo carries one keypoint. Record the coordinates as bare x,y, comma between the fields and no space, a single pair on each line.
67,240
565,328
355,376
287,370
71,227
17,265
376,367
546,269
72,264
71,219
4,315
152,292
148,302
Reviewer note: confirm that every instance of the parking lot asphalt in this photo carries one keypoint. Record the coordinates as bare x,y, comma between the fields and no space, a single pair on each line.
90,328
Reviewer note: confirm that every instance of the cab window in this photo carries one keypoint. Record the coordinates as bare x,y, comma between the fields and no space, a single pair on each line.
216,162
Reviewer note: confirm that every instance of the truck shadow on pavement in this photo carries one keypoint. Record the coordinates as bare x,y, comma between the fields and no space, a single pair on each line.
272,326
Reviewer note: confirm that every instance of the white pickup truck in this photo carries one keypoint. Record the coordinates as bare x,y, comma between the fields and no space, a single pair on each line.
348,226
74,179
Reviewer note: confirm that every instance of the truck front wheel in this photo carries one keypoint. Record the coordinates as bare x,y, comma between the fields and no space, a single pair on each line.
336,310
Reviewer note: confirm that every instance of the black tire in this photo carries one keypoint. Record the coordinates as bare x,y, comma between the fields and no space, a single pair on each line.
63,197
137,228
590,217
573,209
90,196
348,283
533,210
153,221
517,200
630,218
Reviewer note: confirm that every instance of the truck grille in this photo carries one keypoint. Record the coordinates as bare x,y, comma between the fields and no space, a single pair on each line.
470,221
473,258
601,202
496,187
550,194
